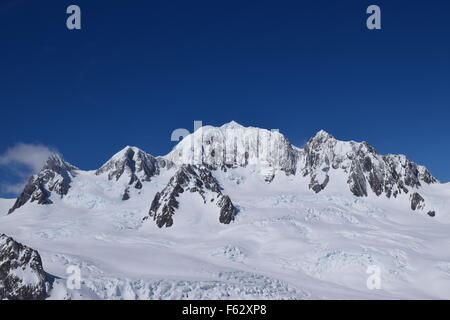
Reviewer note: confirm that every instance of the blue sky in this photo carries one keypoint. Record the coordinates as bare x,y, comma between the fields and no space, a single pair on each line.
132,75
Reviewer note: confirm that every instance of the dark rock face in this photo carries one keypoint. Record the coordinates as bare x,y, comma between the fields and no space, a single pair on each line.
426,176
55,177
21,274
227,210
126,194
316,164
316,186
190,178
417,202
364,168
357,181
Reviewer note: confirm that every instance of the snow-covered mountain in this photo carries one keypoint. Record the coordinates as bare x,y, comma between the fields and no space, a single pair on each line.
134,166
55,177
324,158
233,145
209,149
243,212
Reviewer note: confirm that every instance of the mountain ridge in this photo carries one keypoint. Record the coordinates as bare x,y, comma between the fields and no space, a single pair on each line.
232,146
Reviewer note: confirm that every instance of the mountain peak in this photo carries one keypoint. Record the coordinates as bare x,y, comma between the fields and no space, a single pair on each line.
55,162
134,164
232,125
323,135
126,152
218,147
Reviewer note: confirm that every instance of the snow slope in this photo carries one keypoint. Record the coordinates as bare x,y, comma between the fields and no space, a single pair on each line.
286,242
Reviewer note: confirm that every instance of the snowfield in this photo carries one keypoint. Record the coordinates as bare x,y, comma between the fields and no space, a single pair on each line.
286,242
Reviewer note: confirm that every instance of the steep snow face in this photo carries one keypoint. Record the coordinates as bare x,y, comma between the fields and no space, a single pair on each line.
233,145
55,177
190,178
365,170
21,274
134,165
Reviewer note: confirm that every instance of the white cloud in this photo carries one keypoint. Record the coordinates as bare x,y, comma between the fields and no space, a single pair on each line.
24,160
32,156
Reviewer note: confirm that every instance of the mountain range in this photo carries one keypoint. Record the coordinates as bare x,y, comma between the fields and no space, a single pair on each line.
332,207
209,149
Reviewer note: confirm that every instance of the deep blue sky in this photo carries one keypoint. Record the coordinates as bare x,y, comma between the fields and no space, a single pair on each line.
133,74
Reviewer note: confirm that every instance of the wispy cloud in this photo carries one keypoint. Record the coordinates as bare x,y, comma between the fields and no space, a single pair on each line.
23,160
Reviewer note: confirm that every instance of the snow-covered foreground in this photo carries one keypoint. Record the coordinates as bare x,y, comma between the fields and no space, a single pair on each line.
287,242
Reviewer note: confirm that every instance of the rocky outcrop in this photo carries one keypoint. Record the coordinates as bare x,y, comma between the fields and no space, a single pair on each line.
194,179
417,201
418,204
21,274
134,165
227,210
55,177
